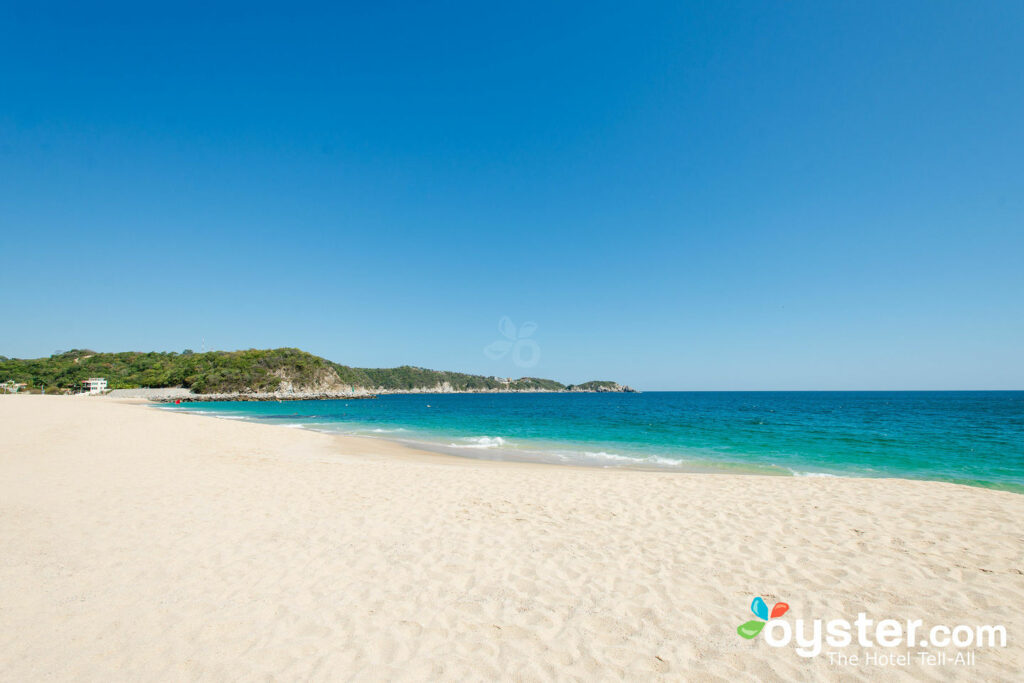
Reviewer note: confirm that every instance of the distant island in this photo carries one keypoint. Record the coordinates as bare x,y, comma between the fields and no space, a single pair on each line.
258,374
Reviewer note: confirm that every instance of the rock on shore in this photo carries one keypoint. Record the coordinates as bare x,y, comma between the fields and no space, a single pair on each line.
186,396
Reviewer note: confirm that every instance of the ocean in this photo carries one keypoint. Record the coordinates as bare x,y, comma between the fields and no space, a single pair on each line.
967,437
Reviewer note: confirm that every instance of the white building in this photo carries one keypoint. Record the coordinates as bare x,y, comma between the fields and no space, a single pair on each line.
94,385
12,387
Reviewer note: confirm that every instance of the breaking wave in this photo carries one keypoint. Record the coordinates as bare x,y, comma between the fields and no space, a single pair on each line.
481,442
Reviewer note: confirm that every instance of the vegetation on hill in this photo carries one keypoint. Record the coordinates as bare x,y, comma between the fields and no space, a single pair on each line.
536,384
253,370
215,371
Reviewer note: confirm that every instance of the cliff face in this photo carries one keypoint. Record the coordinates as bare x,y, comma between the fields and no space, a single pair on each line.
323,380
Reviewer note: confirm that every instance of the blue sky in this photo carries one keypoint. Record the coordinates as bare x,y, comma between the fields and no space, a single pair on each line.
797,195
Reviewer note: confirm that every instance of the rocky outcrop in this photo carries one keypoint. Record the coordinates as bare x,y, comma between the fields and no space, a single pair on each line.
326,384
447,388
266,396
601,387
173,394
185,396
323,381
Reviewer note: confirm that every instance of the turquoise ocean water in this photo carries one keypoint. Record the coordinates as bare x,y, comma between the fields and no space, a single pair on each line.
974,438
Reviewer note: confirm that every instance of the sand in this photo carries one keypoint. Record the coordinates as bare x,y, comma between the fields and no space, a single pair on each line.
140,544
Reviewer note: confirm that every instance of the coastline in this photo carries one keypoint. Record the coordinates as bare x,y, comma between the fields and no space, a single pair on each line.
182,395
455,427
160,545
538,458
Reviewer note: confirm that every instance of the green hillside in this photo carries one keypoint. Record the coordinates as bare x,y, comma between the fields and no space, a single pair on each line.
253,370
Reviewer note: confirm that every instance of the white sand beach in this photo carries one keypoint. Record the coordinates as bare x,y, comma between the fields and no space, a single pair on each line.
144,545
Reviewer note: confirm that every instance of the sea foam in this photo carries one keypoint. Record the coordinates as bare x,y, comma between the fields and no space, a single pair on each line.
481,442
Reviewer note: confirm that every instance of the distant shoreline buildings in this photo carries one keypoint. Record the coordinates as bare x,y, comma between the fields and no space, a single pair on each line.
94,385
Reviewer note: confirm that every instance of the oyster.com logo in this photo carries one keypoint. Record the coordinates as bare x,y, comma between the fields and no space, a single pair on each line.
525,351
882,642
751,628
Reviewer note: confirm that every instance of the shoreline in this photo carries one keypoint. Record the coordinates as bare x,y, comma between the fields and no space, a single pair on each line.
422,452
426,452
548,456
159,546
438,449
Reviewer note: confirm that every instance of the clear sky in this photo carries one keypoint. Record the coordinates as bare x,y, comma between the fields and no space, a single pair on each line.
681,195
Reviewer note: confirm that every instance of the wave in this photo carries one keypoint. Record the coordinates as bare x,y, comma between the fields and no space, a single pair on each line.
632,459
798,473
613,457
481,442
